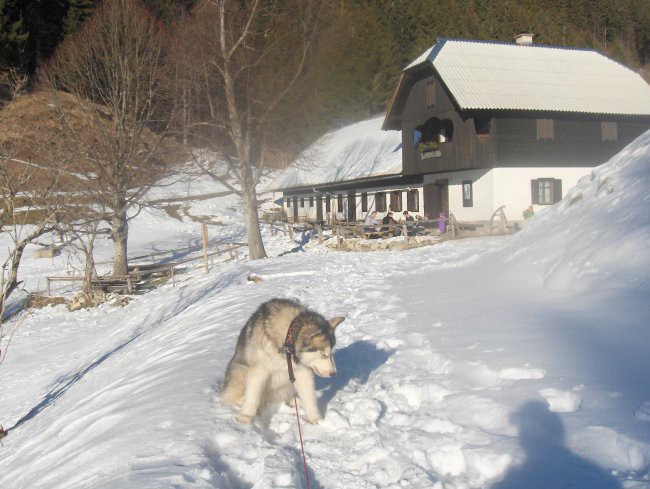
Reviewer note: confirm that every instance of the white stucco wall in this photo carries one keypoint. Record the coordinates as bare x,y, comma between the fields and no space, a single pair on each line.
512,186
501,186
482,189
490,190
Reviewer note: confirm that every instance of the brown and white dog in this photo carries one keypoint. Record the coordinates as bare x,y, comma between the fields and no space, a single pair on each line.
257,373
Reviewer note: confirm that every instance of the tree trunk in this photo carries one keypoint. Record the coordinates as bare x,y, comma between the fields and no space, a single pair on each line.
120,234
11,282
249,197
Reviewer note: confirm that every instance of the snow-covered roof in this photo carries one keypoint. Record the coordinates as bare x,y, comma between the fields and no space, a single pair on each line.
361,150
507,76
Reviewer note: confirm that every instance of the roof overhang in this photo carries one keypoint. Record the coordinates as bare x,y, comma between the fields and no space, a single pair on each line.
360,183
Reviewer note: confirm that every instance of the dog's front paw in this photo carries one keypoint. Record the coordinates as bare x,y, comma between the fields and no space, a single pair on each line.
244,418
314,420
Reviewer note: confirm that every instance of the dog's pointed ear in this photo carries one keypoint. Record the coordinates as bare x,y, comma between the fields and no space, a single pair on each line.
334,322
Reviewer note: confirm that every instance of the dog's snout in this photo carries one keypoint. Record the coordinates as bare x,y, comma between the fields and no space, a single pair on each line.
333,374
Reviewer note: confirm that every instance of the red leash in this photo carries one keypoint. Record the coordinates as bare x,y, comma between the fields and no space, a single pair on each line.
289,348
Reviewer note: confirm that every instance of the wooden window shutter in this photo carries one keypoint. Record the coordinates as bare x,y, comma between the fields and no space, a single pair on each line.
609,131
413,201
557,190
364,202
431,94
545,129
396,201
534,191
380,202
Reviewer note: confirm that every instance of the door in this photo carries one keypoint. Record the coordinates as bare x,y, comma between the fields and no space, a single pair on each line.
436,198
352,206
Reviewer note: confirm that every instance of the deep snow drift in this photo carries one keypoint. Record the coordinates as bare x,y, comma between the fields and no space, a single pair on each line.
499,362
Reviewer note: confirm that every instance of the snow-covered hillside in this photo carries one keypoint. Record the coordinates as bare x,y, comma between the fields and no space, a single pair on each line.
504,362
356,151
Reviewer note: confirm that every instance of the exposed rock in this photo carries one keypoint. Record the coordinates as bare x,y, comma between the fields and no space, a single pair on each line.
393,244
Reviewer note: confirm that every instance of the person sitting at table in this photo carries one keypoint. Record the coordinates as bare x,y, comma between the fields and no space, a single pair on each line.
390,225
370,225
410,223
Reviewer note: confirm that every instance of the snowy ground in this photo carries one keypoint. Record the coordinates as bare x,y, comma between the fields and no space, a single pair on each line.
506,362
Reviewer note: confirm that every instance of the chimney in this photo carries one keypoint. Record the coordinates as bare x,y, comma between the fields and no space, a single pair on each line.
524,38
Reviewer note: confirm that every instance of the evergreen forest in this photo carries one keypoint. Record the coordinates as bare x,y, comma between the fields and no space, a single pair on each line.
361,45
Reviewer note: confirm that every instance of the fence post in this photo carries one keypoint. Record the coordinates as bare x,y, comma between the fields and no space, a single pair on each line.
272,228
319,230
290,227
47,285
173,277
338,236
406,235
204,237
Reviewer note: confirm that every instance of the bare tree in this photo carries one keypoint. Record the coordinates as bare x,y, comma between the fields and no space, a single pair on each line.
29,194
247,59
113,68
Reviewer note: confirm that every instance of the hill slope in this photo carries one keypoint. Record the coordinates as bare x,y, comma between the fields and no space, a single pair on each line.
500,362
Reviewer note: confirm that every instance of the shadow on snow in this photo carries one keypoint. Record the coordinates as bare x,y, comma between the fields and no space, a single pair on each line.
353,362
549,463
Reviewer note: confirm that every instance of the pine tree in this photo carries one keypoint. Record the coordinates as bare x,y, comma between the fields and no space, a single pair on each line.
12,35
78,11
169,10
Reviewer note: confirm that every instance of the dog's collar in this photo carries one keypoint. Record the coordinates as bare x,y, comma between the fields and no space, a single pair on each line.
289,345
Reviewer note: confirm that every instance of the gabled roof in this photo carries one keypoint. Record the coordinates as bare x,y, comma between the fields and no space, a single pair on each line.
358,151
484,75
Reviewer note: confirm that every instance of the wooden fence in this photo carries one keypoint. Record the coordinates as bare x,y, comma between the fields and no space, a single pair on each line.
141,271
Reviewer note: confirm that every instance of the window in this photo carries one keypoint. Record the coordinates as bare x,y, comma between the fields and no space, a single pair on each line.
396,201
413,201
328,204
609,131
482,126
431,94
302,202
339,203
289,202
364,202
545,129
546,191
311,202
380,202
428,137
468,194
